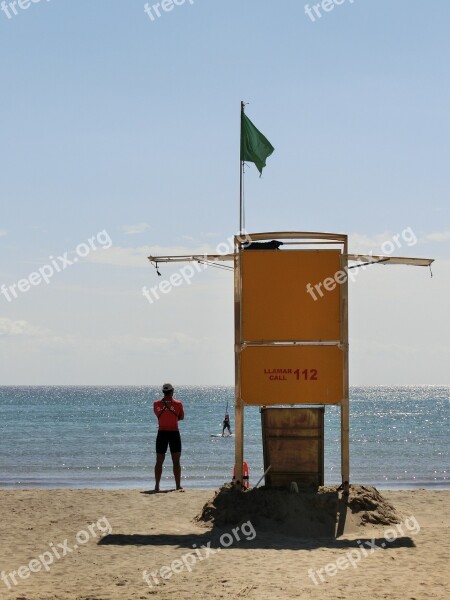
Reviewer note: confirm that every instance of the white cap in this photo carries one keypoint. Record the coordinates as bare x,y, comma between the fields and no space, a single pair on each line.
167,387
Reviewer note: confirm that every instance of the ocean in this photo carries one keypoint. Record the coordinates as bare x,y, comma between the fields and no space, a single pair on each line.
103,437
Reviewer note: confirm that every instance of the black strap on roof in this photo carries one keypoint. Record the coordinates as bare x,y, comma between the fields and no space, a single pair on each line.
272,245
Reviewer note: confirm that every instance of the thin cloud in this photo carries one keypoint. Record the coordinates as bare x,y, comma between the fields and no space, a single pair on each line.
10,328
135,229
3,232
360,242
438,236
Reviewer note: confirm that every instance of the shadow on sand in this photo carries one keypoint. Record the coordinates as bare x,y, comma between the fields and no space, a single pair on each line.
148,492
276,519
260,541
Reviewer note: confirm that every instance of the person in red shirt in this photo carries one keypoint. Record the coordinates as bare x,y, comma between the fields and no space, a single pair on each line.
168,412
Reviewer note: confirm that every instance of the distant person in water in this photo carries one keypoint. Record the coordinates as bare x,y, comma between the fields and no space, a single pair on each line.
168,412
226,425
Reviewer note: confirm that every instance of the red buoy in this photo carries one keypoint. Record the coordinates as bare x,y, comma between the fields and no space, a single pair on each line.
245,475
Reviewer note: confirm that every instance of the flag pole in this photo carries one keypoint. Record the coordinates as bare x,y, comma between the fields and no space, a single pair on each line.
241,179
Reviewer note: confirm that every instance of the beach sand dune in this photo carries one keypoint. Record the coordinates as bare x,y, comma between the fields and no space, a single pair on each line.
309,514
99,543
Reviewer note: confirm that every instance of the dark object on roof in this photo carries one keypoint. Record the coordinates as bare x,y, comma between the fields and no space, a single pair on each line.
272,245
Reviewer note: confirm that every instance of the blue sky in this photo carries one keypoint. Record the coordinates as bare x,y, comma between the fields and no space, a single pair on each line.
115,123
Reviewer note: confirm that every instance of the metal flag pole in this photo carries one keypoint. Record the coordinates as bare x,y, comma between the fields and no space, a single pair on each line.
241,179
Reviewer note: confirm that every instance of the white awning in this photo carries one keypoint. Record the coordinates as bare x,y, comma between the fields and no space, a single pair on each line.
359,258
192,258
390,260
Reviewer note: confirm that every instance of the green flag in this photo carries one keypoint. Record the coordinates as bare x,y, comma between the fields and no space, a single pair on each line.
255,147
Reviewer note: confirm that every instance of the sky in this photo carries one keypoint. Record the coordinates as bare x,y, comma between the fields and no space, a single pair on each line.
120,139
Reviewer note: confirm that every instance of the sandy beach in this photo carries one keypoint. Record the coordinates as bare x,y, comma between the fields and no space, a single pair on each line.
99,544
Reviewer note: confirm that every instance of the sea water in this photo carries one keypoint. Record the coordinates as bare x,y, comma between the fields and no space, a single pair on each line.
104,437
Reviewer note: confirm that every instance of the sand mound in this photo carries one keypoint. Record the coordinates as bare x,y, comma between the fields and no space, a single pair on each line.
370,506
325,512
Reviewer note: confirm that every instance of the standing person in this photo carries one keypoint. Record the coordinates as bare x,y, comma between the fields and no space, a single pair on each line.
168,412
226,425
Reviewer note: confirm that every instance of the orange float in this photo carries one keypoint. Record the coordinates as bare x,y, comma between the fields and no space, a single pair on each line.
245,475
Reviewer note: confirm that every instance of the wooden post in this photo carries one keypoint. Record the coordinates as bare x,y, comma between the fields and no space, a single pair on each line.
238,404
345,408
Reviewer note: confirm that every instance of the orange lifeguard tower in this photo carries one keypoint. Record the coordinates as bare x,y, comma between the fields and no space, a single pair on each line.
291,343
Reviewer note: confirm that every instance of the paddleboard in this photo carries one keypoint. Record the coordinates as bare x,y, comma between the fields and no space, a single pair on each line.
220,435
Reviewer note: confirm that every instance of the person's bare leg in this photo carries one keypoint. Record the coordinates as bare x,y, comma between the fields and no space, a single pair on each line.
177,469
158,469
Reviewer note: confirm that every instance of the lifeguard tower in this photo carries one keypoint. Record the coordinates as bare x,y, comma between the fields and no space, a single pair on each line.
291,345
